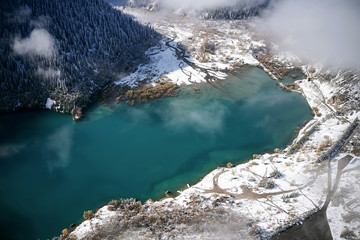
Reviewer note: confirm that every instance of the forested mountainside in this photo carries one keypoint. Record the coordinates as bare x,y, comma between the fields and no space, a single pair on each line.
117,2
237,9
65,50
240,11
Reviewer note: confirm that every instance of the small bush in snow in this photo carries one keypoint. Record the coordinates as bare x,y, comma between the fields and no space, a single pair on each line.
88,214
266,183
275,174
113,205
65,232
286,198
348,234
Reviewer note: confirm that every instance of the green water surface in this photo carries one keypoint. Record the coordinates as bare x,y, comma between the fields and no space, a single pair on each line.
52,169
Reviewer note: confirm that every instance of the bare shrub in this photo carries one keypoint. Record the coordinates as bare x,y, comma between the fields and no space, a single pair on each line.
88,214
65,232
113,205
266,183
348,234
324,145
275,174
171,221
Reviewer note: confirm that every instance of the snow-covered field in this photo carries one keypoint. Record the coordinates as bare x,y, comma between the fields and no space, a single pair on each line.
274,190
194,51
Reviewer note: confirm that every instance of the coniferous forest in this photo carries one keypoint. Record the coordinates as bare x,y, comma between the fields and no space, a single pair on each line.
65,50
236,10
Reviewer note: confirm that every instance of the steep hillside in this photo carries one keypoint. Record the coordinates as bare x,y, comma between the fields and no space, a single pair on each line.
58,53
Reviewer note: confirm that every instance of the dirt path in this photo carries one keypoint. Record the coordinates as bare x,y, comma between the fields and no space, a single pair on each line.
247,192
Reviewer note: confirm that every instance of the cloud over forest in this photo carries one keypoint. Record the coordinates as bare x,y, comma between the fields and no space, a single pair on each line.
39,43
204,4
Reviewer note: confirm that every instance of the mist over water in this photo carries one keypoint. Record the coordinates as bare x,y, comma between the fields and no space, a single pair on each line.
52,169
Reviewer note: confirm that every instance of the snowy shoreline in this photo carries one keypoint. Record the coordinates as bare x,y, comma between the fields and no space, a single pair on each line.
273,190
299,191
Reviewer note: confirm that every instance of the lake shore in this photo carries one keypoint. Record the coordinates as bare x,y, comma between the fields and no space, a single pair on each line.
279,190
271,192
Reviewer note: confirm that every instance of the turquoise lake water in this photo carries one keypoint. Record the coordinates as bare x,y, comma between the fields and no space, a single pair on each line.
52,169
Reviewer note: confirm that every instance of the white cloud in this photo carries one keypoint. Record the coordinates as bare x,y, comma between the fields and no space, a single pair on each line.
39,43
203,4
41,22
57,148
21,15
48,73
203,119
138,116
10,149
322,30
196,5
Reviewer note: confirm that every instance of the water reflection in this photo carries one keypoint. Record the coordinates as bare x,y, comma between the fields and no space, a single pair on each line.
8,150
57,148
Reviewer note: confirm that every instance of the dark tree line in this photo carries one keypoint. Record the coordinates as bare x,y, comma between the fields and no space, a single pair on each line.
93,43
240,10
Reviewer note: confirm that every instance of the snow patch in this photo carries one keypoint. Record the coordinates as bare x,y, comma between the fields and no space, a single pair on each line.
49,103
